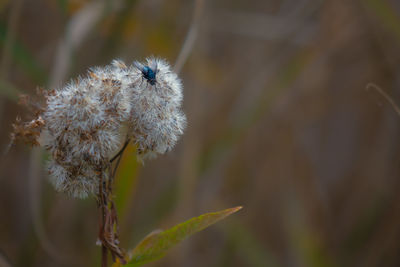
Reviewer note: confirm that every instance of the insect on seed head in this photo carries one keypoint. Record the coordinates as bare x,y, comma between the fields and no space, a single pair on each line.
149,73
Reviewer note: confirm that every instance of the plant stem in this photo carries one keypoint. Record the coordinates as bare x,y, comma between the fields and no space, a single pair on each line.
104,257
109,229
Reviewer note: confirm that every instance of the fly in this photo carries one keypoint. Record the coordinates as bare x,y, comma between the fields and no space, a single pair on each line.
149,73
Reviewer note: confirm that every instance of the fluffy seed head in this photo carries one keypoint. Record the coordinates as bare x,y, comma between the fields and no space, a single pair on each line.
157,120
85,123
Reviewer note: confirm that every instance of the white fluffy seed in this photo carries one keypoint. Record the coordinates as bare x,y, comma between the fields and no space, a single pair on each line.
87,121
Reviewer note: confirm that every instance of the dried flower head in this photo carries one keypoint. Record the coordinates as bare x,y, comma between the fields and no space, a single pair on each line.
85,123
157,120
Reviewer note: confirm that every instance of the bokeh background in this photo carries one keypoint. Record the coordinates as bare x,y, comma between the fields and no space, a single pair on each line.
279,121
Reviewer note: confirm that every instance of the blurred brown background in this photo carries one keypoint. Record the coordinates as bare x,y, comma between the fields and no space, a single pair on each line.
279,121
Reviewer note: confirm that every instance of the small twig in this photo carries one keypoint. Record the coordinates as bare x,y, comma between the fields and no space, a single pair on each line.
386,96
114,171
121,151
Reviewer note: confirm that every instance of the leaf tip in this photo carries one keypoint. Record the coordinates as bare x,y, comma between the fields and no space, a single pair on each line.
233,210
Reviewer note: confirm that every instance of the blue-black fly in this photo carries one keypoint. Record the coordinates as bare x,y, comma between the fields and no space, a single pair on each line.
148,72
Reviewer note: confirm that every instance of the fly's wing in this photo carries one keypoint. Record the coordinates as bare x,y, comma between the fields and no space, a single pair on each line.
138,65
153,65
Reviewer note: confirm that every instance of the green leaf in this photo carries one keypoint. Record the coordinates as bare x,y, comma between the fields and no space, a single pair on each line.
155,245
